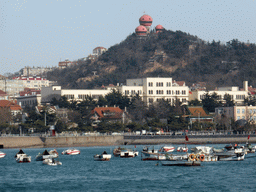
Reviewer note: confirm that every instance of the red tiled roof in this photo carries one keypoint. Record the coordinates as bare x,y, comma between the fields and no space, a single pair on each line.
99,48
9,104
2,93
108,112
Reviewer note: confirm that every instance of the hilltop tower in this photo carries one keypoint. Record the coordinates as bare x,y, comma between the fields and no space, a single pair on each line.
146,21
159,28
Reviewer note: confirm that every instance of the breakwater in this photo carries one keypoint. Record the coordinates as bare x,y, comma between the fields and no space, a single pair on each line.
109,140
72,141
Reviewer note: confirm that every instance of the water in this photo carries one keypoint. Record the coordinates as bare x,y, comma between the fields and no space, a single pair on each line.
82,173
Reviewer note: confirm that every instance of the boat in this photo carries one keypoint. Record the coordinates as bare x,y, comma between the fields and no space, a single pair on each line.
46,155
23,158
117,151
128,153
236,154
54,153
249,148
202,157
202,150
2,154
103,157
71,152
176,157
167,149
19,153
52,162
182,149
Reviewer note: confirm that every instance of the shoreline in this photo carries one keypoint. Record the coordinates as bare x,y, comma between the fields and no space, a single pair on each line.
93,141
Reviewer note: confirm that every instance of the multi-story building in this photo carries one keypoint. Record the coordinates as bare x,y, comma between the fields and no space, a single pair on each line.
71,94
29,98
149,89
35,71
153,89
66,63
99,51
237,95
247,113
14,86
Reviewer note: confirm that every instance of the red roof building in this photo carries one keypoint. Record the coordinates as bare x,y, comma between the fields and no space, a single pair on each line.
11,105
159,28
141,31
146,20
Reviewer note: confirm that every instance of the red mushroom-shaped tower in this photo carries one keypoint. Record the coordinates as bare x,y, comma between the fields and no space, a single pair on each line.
141,31
159,28
146,21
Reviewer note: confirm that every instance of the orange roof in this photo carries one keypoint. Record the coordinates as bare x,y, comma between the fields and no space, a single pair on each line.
2,93
108,112
197,111
9,104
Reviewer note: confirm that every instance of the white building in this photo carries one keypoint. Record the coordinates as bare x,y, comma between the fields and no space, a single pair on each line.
153,89
71,94
149,89
237,95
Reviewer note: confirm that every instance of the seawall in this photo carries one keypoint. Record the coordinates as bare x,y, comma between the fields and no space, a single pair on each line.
87,141
41,142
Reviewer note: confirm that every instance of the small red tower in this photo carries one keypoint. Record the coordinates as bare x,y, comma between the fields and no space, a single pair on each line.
141,31
159,28
146,21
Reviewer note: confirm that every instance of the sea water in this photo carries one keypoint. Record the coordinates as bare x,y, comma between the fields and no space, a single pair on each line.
82,173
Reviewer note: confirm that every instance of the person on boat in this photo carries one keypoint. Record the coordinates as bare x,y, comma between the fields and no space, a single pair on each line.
104,152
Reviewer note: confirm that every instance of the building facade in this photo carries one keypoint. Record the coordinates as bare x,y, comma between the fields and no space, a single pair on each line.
153,89
237,95
35,71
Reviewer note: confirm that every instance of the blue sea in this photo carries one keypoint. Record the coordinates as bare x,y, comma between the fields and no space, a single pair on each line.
82,173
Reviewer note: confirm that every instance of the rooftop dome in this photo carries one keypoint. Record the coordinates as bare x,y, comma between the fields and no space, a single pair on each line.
146,20
159,28
141,30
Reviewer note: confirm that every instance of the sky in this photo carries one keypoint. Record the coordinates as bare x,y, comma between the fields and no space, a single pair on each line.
40,33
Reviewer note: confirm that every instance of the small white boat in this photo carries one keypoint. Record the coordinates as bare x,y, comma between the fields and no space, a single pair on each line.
128,154
103,157
71,152
51,162
2,154
167,149
23,158
47,155
182,149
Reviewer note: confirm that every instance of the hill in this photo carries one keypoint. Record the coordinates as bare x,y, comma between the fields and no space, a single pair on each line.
167,54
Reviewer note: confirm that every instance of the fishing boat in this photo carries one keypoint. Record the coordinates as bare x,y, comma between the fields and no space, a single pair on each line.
52,162
54,153
46,155
103,157
236,154
117,151
182,149
202,149
71,152
19,153
167,149
128,153
2,154
23,158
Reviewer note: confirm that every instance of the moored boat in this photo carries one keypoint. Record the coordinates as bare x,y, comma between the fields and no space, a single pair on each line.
182,149
23,158
52,162
2,154
167,149
103,157
46,155
128,154
71,152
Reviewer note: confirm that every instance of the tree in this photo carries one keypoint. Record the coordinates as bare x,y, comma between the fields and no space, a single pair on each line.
210,102
229,102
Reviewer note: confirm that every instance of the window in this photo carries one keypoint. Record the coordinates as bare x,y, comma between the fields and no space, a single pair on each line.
159,84
150,84
177,92
159,92
184,100
250,111
238,111
168,84
126,92
238,117
243,111
150,100
168,92
150,91
243,117
183,92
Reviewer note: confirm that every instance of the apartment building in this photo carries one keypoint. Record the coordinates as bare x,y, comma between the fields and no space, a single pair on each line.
237,95
153,89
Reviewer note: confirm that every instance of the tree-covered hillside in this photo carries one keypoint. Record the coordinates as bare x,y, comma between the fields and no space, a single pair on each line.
167,54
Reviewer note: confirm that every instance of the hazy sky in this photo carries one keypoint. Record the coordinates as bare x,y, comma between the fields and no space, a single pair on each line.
41,32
